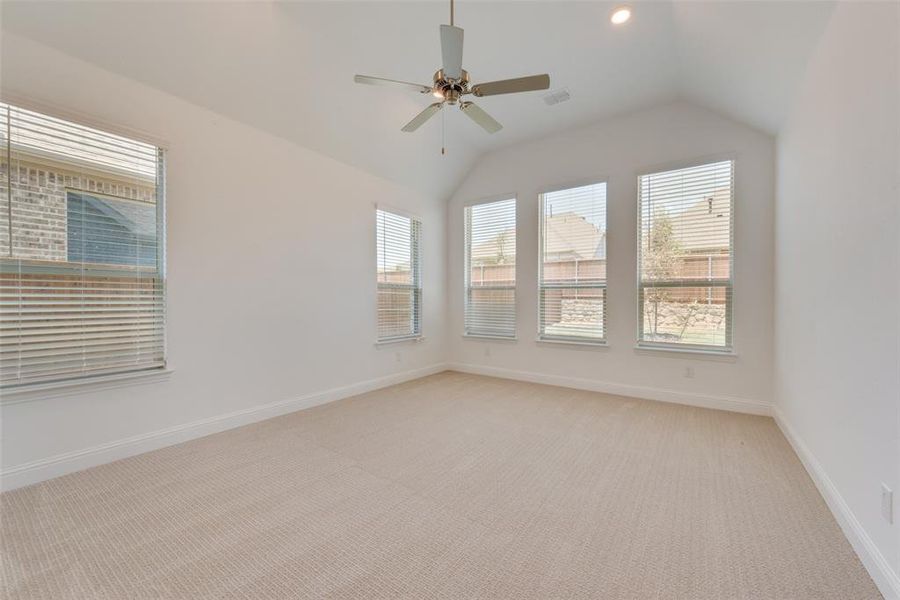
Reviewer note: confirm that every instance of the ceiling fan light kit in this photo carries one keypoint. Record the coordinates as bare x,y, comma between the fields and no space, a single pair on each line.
451,83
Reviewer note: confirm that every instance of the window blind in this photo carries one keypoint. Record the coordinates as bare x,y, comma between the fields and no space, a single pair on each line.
490,243
81,251
398,240
572,279
685,257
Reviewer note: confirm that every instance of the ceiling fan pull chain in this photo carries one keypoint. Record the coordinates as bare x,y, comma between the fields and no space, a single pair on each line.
443,120
451,13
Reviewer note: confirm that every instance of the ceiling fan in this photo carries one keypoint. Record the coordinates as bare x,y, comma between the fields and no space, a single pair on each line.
451,83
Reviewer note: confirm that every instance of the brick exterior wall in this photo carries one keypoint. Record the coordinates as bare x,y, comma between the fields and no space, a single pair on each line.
39,205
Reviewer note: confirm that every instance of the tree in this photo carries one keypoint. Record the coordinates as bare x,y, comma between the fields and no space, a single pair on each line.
502,240
660,260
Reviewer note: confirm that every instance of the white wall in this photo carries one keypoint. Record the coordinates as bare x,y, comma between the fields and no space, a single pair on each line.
271,269
837,295
617,151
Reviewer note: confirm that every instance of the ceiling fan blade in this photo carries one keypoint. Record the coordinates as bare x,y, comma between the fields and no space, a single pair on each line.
512,86
451,50
475,113
381,81
423,116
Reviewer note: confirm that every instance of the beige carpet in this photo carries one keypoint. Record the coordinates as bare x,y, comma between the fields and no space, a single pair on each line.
451,486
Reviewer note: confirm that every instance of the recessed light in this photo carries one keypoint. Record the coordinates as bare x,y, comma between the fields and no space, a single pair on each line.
620,15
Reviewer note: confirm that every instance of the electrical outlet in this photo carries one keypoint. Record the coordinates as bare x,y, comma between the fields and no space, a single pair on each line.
887,503
689,372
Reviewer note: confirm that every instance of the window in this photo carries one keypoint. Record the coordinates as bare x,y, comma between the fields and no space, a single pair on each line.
490,242
107,230
82,272
399,276
685,257
572,279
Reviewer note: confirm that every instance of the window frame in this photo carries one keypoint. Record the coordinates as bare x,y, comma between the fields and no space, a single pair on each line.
572,340
79,383
729,348
467,268
416,272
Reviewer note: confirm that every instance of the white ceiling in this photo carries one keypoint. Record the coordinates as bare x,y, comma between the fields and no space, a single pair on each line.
288,67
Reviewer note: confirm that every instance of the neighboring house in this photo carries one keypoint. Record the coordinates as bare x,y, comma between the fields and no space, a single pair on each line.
703,232
498,250
102,213
399,274
704,226
570,236
575,250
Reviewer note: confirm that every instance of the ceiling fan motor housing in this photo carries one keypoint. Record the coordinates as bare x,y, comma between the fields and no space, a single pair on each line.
450,89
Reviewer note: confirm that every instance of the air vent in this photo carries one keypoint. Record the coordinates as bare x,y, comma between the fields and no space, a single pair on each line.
556,96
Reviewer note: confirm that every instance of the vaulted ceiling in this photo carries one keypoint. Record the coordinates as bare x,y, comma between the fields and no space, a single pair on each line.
288,68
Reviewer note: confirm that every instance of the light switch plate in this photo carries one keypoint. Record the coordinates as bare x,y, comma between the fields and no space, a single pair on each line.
887,503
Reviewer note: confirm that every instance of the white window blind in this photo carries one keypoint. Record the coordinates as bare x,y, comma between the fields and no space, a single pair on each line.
685,257
81,251
572,280
490,242
398,240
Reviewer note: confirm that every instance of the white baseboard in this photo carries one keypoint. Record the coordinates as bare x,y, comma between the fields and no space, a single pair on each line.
69,462
873,560
730,403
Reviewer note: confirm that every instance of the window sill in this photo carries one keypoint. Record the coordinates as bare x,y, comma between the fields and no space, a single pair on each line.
41,391
598,345
413,338
489,338
700,353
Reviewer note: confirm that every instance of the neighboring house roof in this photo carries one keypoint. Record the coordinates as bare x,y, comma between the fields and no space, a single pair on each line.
571,236
499,249
706,224
568,236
